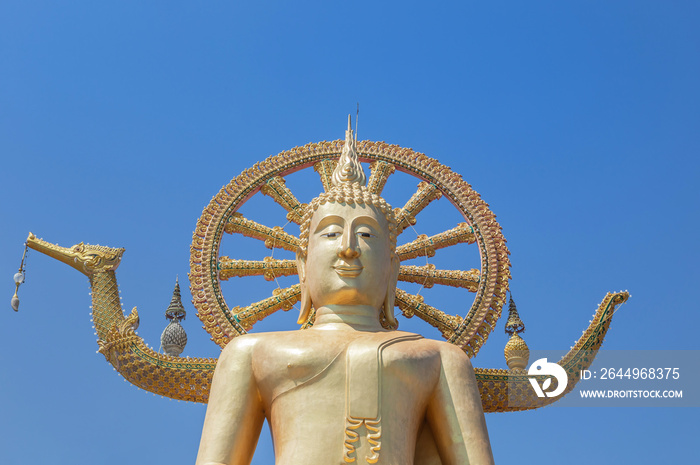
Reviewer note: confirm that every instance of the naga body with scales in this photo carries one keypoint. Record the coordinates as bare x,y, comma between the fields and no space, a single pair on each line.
189,379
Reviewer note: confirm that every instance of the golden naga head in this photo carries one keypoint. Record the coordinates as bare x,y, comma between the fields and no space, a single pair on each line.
347,251
86,258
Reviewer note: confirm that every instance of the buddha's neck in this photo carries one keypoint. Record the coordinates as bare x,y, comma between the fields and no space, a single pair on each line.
347,317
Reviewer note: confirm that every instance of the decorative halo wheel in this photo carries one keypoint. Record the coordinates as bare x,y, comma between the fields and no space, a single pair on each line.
221,216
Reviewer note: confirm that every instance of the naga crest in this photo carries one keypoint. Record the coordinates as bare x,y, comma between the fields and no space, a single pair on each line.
86,258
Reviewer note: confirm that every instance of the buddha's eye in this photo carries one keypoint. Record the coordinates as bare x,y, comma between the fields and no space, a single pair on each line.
364,233
331,234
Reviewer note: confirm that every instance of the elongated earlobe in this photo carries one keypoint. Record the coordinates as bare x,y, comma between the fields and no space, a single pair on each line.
305,306
305,297
390,297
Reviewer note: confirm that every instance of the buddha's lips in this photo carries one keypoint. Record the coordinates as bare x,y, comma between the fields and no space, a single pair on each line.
347,271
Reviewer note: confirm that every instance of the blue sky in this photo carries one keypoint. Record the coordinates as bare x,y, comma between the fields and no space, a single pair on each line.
576,122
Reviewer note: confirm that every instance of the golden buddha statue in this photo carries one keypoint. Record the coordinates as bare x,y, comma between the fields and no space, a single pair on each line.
350,388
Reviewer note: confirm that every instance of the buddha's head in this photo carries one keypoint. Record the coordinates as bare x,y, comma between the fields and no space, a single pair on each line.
347,254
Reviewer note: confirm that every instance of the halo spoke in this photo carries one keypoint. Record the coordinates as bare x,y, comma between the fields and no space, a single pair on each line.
411,304
282,299
424,246
380,172
426,193
269,268
325,169
273,237
428,276
275,187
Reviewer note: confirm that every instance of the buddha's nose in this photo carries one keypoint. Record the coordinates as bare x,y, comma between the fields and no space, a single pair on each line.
348,247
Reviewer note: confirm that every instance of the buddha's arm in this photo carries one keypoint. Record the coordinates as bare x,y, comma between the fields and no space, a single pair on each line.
235,413
455,413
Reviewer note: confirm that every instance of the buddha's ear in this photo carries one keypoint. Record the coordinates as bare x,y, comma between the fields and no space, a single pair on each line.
305,297
391,292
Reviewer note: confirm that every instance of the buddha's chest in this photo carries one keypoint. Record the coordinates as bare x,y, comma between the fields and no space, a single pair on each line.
295,363
360,366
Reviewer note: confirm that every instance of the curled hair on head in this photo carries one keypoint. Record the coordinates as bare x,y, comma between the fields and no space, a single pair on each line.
349,194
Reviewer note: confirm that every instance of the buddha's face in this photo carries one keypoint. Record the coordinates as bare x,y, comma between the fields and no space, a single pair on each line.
349,256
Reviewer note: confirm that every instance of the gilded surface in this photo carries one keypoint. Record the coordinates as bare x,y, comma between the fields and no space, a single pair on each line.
380,172
178,378
396,384
282,299
88,259
191,378
428,276
269,268
426,193
325,169
424,246
478,320
280,193
273,237
413,305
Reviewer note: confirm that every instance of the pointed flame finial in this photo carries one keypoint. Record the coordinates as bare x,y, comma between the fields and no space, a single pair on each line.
514,323
349,170
176,311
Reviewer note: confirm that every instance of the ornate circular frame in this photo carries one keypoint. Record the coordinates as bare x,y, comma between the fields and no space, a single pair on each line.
469,332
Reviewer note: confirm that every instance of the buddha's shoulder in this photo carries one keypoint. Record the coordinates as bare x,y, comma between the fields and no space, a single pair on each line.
444,348
418,339
251,340
255,342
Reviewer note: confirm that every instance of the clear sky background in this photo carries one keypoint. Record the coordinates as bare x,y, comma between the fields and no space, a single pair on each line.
576,121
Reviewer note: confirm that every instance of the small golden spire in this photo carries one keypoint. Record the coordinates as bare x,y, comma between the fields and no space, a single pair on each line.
516,351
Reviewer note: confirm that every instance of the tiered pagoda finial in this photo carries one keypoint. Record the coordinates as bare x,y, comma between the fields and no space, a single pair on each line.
174,337
176,311
516,351
514,323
